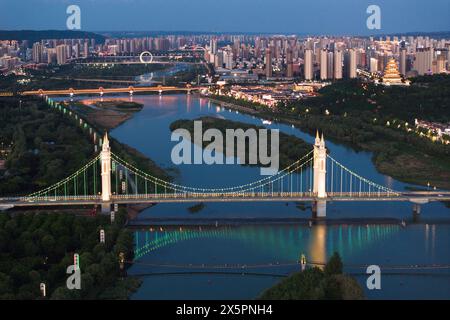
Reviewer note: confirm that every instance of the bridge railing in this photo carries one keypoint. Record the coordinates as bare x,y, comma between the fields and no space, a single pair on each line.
58,198
256,195
224,195
360,194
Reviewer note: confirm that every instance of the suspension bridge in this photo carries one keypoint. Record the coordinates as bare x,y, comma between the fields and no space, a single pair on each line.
316,177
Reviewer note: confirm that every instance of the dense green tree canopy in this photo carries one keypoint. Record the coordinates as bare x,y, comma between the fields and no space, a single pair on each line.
37,248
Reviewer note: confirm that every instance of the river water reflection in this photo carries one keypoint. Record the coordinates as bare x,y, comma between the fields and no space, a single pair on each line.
424,239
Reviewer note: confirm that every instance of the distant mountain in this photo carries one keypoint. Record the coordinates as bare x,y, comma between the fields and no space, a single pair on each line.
35,36
154,33
434,35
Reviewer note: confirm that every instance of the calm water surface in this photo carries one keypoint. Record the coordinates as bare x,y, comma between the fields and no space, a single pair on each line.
424,240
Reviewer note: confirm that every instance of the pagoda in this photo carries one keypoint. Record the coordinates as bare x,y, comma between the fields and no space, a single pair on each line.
392,75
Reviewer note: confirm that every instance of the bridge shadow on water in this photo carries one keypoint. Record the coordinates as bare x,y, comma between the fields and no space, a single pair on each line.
285,241
210,256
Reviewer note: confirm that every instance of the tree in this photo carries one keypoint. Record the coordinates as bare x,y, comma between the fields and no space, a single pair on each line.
47,244
62,293
331,289
316,284
334,265
5,284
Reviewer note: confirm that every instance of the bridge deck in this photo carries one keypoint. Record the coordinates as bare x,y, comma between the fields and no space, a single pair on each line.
415,197
109,90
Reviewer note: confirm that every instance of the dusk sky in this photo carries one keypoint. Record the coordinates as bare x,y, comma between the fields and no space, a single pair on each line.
273,16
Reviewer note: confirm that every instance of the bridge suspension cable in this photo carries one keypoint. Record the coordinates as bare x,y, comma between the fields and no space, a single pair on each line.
342,180
295,180
294,167
82,184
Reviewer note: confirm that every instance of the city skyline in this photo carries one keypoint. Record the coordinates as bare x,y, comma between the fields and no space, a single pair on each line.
346,17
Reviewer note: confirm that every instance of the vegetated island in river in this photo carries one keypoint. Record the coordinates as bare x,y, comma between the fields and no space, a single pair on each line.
367,117
107,114
291,148
316,284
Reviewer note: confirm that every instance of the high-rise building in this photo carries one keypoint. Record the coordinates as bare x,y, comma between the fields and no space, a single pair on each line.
61,54
337,64
213,45
218,59
351,63
86,49
228,59
330,64
268,62
76,50
403,61
69,51
323,64
441,56
424,60
236,47
308,64
361,58
447,48
373,65
51,55
289,63
383,60
38,52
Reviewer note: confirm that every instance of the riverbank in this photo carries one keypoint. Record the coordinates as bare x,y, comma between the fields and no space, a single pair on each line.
405,164
105,115
233,106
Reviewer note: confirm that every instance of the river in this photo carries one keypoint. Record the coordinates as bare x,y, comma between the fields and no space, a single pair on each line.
272,249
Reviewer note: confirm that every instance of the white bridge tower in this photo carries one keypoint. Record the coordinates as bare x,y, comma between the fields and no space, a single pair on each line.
105,160
320,167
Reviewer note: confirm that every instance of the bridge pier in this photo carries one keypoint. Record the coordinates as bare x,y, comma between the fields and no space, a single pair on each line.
106,208
319,209
416,208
